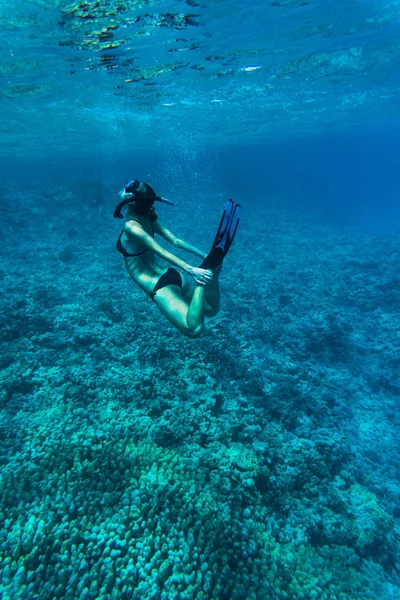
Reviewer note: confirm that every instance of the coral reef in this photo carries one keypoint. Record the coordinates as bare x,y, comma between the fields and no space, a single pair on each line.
258,461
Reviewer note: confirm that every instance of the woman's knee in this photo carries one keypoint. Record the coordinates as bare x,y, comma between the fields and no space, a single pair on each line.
193,333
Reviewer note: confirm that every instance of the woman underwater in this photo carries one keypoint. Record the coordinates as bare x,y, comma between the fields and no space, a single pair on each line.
184,305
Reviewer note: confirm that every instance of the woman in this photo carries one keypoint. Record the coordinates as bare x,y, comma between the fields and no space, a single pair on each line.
184,305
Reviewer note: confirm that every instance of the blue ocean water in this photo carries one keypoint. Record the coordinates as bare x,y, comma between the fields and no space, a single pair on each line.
259,460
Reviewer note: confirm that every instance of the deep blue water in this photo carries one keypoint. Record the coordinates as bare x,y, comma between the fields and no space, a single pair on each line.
353,175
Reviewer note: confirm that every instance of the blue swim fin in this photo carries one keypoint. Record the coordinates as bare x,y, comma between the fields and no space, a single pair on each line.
224,238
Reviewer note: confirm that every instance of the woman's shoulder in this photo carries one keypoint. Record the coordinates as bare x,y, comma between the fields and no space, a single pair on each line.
133,224
132,221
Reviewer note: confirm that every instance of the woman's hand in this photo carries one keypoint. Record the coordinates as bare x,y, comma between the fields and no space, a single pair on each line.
201,276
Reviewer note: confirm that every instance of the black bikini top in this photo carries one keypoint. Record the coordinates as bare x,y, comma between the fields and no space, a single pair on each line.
122,250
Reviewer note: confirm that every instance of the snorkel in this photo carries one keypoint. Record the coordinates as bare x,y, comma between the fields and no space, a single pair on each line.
131,190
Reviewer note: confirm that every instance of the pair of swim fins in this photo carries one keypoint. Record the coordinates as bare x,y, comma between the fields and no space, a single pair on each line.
225,235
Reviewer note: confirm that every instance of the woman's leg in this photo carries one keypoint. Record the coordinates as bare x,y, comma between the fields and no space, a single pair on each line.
213,295
195,313
212,303
187,318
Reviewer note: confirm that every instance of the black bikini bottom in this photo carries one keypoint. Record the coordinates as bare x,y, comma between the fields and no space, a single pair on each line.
171,277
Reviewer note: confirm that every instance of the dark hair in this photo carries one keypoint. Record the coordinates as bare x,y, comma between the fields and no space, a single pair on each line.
142,200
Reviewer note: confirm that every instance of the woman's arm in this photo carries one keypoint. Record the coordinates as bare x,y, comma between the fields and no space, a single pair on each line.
177,242
201,276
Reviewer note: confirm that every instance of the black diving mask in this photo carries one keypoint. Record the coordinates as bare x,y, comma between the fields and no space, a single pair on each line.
131,188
